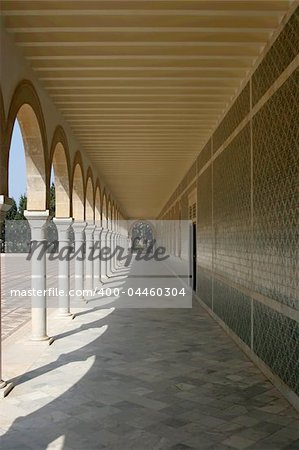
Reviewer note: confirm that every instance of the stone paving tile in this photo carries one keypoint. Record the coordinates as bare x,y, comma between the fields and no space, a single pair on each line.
238,442
145,380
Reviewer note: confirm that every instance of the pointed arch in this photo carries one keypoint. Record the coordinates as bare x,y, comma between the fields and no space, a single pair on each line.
104,210
3,154
113,216
109,213
98,206
26,108
78,189
60,159
89,197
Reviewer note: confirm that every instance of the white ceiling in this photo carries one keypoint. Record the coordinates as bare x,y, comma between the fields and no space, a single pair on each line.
142,83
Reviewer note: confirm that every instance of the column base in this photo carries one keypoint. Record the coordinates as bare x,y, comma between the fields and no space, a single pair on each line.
66,315
98,286
104,278
39,338
5,389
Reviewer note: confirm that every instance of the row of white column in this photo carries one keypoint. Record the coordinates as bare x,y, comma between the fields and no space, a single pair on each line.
89,272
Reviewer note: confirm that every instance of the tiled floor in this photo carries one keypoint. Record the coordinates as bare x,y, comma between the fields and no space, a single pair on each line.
145,379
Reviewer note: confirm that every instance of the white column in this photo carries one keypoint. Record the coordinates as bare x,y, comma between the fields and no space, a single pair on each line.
63,229
89,274
102,262
38,221
79,228
97,262
5,205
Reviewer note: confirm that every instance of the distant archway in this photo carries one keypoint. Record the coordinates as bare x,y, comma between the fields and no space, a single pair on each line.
78,193
104,212
89,202
97,207
61,169
142,236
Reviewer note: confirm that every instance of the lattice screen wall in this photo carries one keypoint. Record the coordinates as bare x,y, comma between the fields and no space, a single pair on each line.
247,212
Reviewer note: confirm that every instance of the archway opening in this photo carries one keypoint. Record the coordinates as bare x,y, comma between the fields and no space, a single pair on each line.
142,237
104,212
59,184
78,194
15,236
89,204
98,212
36,185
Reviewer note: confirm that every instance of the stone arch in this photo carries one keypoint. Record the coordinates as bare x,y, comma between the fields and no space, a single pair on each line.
98,206
104,211
89,197
148,222
113,216
132,225
26,108
3,155
78,189
109,213
59,157
117,219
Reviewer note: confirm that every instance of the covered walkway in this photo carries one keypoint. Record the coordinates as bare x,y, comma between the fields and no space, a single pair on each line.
166,126
145,379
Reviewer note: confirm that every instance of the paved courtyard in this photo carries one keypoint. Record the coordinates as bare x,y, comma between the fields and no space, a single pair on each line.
145,379
15,274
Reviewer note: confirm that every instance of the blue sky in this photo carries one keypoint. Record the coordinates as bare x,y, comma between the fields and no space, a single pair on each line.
17,165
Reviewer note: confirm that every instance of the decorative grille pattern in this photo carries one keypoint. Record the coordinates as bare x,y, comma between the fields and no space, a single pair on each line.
233,118
204,286
276,194
204,220
255,247
204,156
280,55
276,342
234,308
232,210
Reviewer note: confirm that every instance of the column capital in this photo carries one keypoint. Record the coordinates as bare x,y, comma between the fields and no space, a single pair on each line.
90,229
79,226
37,217
90,225
63,223
38,220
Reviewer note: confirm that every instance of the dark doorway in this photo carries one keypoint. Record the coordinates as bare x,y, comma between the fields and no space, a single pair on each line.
194,256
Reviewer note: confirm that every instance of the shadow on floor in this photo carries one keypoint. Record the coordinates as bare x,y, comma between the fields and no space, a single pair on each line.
146,379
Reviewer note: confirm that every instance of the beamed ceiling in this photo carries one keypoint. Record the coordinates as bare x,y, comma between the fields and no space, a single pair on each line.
142,83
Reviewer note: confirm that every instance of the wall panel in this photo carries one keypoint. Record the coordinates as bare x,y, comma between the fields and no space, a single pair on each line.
248,215
276,194
232,210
